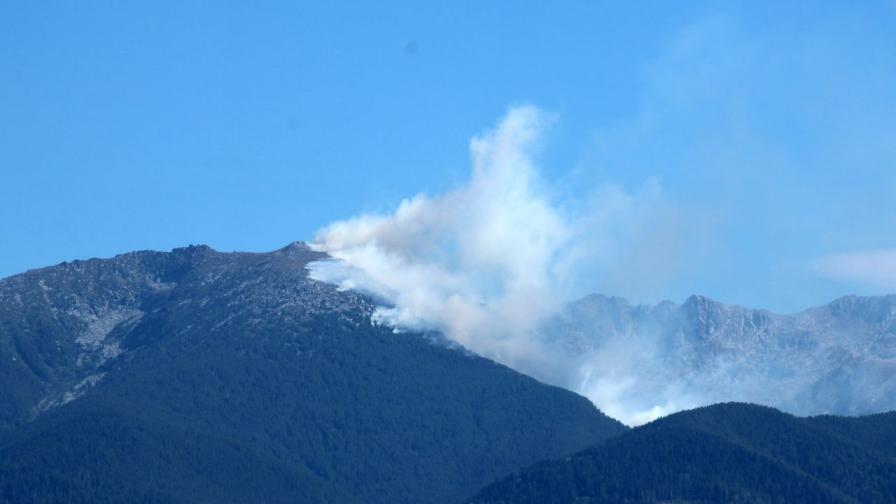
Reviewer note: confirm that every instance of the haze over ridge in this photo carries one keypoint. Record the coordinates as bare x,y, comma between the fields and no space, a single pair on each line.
494,262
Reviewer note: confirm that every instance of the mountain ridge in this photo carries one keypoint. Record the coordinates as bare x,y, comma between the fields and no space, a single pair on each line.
729,452
284,375
838,358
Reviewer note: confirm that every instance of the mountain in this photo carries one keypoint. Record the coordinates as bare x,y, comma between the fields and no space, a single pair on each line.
725,453
836,359
200,376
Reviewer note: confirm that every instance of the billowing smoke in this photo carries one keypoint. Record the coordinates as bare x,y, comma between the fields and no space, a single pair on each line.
488,262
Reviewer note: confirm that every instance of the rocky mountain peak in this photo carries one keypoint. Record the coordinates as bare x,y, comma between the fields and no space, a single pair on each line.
838,358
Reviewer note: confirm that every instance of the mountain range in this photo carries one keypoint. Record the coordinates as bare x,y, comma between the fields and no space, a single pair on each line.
724,453
839,358
200,376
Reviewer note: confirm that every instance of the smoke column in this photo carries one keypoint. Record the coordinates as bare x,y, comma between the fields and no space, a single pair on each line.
489,262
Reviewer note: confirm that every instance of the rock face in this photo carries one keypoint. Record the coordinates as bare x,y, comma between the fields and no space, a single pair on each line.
836,359
199,376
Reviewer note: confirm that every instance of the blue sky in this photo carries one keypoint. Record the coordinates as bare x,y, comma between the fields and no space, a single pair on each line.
767,129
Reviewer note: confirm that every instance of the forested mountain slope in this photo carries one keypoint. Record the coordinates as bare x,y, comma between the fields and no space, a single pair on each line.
198,376
721,454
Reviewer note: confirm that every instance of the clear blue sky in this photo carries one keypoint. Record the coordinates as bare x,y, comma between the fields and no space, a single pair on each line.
248,125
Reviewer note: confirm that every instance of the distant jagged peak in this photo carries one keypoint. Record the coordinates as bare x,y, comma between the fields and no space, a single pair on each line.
295,245
867,309
697,302
301,249
852,301
602,298
607,302
882,305
622,304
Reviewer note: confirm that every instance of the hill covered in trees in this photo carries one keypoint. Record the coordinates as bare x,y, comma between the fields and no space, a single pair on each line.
725,453
197,376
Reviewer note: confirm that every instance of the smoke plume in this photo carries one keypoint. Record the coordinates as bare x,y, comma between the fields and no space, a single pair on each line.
490,261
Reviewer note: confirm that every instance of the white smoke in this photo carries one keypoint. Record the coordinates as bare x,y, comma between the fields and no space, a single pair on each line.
488,262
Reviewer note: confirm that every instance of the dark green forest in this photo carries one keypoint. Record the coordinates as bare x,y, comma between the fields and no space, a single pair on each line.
736,453
196,376
244,381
